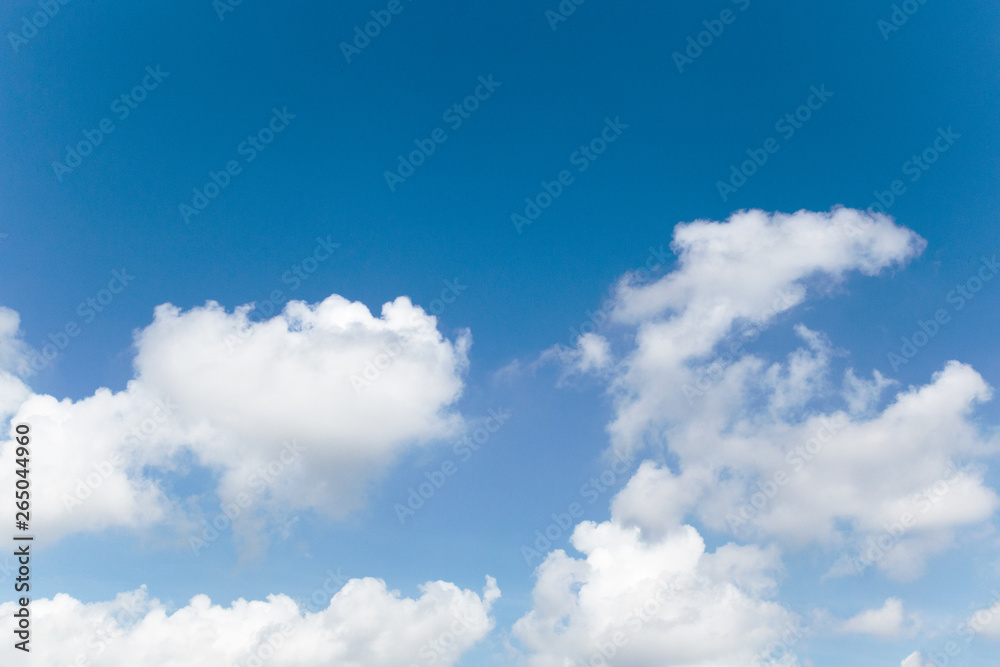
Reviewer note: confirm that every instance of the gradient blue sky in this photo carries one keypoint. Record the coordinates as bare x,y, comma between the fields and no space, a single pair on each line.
323,177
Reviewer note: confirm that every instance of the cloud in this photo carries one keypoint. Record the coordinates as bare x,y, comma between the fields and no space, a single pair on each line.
364,625
590,355
915,659
13,360
343,390
986,621
633,602
764,450
887,622
746,270
785,450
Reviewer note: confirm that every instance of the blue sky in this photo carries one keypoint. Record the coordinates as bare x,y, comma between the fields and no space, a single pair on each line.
317,197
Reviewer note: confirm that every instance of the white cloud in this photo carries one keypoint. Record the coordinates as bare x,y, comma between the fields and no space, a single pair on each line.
743,433
888,622
351,390
13,360
986,621
915,659
590,355
594,353
365,625
784,450
632,602
748,269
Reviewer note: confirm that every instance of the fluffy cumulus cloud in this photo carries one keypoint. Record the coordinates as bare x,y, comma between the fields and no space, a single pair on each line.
303,410
785,449
364,625
782,452
889,621
635,602
745,270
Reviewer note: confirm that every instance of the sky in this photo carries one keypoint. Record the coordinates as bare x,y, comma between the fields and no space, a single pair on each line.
543,334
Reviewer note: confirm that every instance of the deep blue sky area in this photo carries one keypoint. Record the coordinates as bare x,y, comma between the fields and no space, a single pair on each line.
323,178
